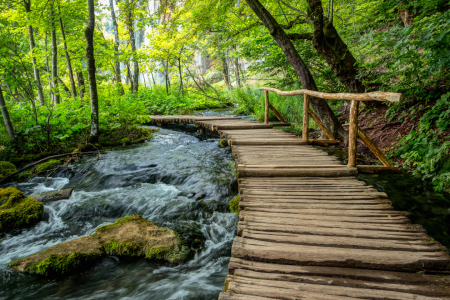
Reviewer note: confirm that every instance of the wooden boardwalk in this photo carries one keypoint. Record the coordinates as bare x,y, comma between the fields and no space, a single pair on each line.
308,229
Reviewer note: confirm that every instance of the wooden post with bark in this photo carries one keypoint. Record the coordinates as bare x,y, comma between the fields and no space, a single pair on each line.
305,118
354,130
266,107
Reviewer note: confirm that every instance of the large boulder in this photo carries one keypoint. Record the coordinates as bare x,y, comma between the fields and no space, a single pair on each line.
128,236
53,195
18,210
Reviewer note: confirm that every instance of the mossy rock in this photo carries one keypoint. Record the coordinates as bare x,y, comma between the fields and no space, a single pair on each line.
6,168
223,143
128,236
48,165
17,210
234,205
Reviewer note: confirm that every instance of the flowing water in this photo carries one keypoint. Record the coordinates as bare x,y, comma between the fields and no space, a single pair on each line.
178,180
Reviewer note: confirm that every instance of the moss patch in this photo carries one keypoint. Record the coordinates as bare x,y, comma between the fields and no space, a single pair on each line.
6,168
129,136
128,236
234,205
17,210
51,164
223,143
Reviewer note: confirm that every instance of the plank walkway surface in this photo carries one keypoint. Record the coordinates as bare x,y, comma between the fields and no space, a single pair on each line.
308,229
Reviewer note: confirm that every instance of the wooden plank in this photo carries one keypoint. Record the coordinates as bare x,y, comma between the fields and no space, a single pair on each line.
329,212
268,142
341,257
326,231
348,273
319,164
354,219
362,291
276,292
296,172
233,296
342,242
291,205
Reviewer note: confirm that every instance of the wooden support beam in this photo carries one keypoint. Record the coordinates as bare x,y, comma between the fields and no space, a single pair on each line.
305,118
325,143
277,114
384,160
371,169
324,129
266,107
353,133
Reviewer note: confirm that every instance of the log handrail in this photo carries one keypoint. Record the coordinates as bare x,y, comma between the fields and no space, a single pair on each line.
371,96
354,130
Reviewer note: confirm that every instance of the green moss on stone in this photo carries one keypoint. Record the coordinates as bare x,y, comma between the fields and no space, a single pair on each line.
121,221
51,164
223,143
24,175
156,253
234,205
126,248
17,210
6,168
62,263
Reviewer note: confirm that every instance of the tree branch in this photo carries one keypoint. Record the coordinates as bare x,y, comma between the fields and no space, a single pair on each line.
300,36
297,10
293,22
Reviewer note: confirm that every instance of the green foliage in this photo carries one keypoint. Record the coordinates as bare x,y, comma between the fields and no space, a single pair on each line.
48,165
17,210
156,253
426,151
61,263
6,168
234,205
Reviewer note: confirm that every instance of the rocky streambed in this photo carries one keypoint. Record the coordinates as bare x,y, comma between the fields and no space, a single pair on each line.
147,221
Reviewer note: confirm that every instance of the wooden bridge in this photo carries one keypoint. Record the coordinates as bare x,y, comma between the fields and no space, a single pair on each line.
308,229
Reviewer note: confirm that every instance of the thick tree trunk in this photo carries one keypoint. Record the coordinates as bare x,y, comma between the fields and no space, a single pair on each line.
129,77
6,118
89,34
116,48
80,79
225,72
57,98
130,25
69,64
320,106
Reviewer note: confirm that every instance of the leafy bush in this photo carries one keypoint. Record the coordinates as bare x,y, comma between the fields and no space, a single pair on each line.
426,151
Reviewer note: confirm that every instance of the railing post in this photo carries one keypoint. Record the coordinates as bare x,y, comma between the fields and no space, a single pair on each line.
266,107
353,134
305,117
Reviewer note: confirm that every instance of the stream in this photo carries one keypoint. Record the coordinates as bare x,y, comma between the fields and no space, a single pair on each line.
181,180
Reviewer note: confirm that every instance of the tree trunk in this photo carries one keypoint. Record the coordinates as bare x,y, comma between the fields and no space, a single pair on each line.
225,72
181,75
167,77
6,118
236,72
48,68
69,64
80,79
130,25
89,34
129,77
37,76
57,98
116,48
320,106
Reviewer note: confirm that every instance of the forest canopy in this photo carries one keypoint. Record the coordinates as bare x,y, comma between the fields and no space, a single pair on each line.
79,72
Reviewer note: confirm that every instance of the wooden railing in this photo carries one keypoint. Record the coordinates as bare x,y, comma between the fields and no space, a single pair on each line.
354,130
